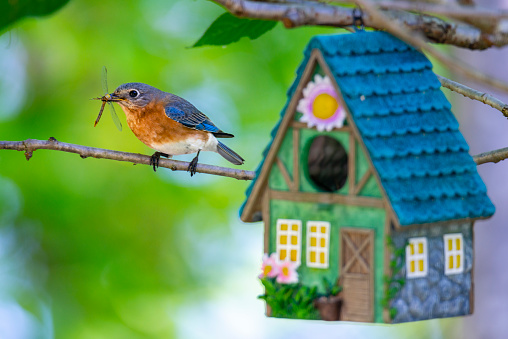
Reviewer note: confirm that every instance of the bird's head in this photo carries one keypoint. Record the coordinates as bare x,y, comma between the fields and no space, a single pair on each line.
134,95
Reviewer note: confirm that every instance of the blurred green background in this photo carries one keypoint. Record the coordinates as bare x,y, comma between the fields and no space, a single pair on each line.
103,249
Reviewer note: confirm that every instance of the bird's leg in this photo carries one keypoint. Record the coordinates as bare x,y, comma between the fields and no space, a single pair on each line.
193,164
154,159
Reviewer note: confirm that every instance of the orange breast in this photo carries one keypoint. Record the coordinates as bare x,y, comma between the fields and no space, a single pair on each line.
152,126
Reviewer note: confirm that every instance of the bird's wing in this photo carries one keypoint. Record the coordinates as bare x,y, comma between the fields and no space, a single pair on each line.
185,113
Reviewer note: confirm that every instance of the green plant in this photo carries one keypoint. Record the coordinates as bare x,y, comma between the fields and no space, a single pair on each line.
290,300
393,285
331,289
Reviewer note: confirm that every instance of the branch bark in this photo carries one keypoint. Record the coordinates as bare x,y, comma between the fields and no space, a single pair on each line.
294,14
30,145
491,156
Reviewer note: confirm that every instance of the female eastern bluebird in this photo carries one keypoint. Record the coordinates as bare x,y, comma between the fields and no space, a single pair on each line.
169,124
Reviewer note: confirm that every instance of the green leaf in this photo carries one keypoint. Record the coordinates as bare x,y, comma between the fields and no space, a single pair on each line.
227,29
11,11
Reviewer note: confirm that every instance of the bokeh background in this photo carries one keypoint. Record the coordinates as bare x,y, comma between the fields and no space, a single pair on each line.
103,249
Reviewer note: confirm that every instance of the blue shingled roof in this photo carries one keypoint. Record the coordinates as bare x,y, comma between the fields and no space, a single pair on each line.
406,124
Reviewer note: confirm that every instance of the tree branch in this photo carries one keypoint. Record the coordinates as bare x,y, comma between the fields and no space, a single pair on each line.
296,13
491,156
30,145
474,94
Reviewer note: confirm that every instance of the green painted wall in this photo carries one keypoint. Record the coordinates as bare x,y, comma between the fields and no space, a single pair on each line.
371,189
338,216
275,179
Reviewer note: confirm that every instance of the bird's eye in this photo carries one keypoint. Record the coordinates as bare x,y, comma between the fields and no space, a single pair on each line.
133,93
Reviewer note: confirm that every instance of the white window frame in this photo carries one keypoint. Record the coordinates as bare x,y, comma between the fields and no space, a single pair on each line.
318,249
453,253
288,247
416,257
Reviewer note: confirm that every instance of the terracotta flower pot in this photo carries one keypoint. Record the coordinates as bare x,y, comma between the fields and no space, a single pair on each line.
329,307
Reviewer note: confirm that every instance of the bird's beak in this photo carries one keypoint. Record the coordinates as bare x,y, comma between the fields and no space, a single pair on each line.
113,97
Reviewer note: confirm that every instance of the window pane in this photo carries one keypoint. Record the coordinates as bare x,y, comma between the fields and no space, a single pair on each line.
283,239
412,249
313,229
420,265
450,262
420,247
323,242
294,240
412,265
284,227
283,254
293,255
313,256
458,244
323,229
294,227
458,260
450,244
322,257
313,242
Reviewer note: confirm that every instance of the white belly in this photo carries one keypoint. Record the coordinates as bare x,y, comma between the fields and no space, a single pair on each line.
192,145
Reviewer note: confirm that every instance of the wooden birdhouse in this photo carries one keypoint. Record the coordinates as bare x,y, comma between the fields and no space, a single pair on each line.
367,192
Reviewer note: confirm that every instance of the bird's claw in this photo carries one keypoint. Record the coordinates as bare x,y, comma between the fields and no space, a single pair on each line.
155,158
193,165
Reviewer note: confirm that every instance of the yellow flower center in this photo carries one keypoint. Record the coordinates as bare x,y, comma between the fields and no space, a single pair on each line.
324,106
285,271
267,270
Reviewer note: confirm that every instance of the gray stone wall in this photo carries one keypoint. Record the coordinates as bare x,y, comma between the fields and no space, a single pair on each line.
437,295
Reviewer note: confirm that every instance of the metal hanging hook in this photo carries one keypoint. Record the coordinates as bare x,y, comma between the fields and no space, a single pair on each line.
358,19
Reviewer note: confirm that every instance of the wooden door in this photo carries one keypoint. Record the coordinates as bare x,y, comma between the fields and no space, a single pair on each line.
357,274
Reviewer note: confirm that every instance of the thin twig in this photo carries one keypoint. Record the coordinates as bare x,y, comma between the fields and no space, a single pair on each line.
474,94
30,145
491,156
417,41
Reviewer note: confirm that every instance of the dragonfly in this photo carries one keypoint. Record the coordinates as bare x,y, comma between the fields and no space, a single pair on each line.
106,100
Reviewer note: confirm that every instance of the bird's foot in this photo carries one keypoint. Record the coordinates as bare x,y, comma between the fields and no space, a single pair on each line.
155,158
193,164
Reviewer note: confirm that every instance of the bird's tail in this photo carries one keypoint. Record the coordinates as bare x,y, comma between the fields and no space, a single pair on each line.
229,154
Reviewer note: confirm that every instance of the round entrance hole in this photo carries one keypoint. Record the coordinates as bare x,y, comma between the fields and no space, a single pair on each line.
327,163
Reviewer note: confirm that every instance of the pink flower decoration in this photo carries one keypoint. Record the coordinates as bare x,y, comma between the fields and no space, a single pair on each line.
320,105
269,268
288,274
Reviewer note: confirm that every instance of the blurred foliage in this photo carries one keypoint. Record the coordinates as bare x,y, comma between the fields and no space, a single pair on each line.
12,10
116,250
227,29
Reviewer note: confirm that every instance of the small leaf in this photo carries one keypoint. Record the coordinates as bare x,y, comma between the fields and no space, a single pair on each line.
227,29
15,10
